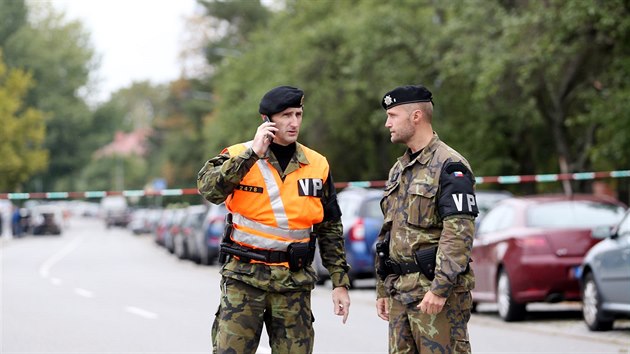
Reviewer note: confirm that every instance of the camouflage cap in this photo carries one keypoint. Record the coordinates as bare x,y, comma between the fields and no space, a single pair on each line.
281,98
406,94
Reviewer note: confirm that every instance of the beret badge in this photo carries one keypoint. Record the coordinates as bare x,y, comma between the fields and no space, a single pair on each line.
389,100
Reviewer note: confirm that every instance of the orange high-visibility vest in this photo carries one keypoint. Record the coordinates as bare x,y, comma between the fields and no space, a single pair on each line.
269,213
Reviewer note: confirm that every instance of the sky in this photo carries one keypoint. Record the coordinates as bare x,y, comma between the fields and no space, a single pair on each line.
136,40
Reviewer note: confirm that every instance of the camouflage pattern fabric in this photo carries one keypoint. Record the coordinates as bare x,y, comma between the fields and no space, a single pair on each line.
413,332
217,180
411,215
243,310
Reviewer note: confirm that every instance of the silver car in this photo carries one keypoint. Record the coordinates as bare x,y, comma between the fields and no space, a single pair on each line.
605,277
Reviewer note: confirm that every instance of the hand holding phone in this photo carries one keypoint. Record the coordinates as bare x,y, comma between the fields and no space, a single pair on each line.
267,120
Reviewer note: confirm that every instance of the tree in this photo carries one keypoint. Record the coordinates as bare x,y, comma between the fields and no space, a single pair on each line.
60,58
23,130
13,16
541,73
132,110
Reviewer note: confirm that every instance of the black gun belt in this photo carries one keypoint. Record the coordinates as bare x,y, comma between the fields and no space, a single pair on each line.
248,254
411,267
404,268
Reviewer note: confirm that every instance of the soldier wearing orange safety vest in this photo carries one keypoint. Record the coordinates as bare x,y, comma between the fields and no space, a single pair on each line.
281,198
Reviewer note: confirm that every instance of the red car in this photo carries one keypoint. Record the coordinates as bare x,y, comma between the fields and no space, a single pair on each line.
528,249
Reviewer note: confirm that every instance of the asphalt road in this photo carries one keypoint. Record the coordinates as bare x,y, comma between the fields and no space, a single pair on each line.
94,290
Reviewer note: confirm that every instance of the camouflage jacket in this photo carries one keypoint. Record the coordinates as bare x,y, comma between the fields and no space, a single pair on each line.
217,180
413,216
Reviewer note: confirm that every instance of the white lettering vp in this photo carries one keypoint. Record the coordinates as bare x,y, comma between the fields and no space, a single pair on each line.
305,186
458,198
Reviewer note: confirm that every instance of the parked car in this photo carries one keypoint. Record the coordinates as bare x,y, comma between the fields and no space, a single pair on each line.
486,199
160,227
362,220
183,241
605,277
208,237
172,228
139,221
115,211
528,249
46,219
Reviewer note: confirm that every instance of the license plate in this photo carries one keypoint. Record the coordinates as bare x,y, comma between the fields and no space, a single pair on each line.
576,272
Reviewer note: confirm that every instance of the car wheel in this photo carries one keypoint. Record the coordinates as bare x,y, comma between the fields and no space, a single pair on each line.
204,256
178,247
509,310
592,307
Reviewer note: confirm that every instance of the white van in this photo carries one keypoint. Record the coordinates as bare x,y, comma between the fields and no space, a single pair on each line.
115,211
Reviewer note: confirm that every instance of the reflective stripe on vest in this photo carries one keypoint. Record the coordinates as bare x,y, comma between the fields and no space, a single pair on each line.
249,232
274,193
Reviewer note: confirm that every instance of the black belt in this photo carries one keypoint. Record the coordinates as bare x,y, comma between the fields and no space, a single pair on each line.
247,254
272,256
404,268
411,267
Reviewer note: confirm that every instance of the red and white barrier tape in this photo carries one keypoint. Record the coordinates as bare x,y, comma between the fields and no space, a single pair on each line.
375,184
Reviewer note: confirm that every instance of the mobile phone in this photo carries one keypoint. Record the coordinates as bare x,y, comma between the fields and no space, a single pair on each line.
266,119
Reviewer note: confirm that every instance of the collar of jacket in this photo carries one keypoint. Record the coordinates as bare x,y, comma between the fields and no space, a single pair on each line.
425,154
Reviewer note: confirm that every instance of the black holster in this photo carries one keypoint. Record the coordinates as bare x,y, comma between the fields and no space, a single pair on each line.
425,259
301,254
226,241
382,252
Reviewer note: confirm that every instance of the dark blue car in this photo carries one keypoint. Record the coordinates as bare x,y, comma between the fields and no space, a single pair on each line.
362,220
208,238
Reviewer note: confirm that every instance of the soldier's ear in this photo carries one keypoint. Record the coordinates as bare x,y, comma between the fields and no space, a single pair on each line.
417,115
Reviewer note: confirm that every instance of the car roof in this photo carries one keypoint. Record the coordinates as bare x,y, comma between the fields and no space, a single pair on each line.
550,198
361,191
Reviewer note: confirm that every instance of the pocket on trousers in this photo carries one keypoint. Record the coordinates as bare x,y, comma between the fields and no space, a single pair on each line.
421,209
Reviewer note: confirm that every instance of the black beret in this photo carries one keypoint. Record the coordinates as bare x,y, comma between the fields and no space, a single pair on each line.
406,94
281,98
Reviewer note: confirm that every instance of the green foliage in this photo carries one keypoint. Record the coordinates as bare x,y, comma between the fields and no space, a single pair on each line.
13,16
60,58
23,131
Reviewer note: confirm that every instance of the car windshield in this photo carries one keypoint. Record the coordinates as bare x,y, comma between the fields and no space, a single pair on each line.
573,214
349,205
372,209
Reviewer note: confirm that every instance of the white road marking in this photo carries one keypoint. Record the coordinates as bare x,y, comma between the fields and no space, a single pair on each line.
141,312
44,270
83,292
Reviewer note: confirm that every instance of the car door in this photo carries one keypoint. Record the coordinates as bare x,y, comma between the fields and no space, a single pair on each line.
615,266
484,262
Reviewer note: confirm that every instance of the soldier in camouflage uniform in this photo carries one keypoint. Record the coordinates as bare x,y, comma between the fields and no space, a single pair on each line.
253,293
429,208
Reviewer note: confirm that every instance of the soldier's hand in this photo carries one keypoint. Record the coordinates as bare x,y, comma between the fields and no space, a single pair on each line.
341,302
263,138
382,308
431,304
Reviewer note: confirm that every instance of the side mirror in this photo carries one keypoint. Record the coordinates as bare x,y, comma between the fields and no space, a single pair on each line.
602,232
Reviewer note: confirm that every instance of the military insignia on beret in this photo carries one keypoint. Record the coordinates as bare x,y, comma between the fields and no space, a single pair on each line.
302,101
389,100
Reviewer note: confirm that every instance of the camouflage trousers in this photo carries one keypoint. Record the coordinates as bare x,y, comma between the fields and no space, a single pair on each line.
414,332
239,321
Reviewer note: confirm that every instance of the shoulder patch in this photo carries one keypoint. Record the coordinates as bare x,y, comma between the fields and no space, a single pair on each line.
457,194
